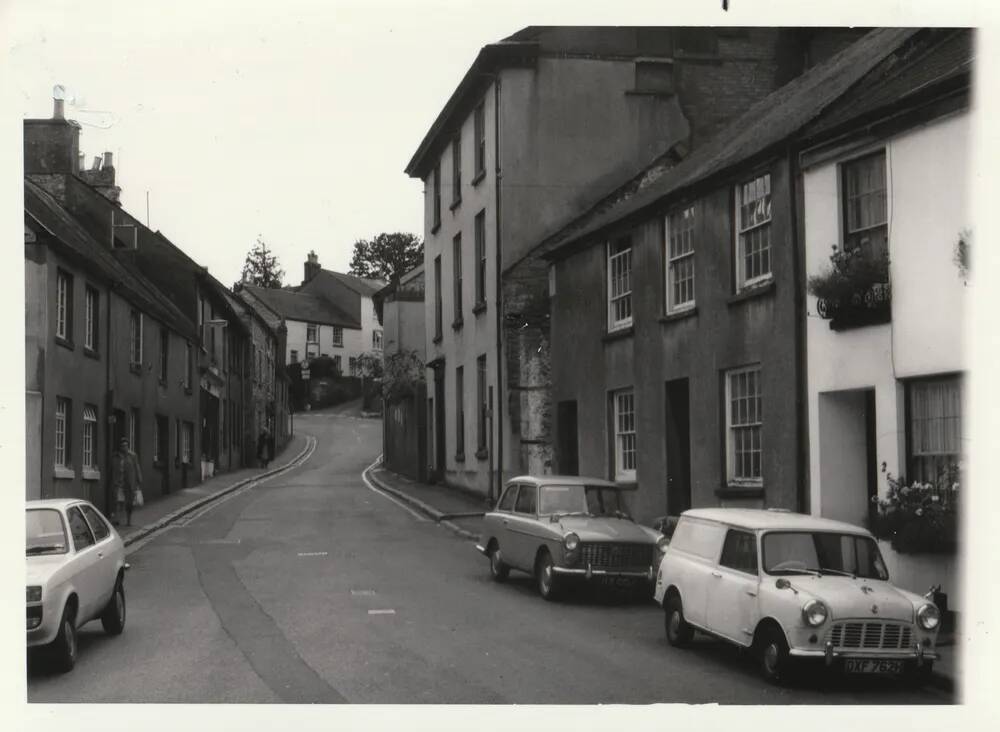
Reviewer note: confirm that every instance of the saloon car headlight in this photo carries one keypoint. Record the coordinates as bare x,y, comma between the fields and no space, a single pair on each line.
571,541
814,612
34,593
662,543
928,616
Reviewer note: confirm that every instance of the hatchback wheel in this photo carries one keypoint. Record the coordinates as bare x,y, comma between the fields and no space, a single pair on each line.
113,617
63,648
548,584
498,570
679,632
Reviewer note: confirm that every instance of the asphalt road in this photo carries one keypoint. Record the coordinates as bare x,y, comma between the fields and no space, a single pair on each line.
314,588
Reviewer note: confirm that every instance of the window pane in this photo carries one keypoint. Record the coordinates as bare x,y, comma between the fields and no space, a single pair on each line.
82,536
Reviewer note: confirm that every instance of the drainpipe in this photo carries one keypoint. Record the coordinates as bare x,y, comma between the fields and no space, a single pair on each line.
801,357
499,292
108,400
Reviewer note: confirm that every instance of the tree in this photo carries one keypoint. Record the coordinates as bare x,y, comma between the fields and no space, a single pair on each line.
261,267
387,256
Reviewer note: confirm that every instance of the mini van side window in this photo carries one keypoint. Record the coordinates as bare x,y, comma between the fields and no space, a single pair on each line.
740,552
507,500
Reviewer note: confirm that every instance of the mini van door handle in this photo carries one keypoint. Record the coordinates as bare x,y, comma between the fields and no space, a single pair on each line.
716,574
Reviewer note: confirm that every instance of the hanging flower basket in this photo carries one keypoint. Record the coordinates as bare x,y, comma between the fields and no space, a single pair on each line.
920,518
854,289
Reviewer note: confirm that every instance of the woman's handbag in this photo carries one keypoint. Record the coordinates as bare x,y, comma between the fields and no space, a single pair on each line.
137,499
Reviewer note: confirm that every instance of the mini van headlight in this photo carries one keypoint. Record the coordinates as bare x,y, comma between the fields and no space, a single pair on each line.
34,593
928,616
571,541
814,613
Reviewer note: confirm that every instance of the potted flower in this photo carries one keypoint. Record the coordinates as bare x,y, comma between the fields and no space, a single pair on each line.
853,290
919,518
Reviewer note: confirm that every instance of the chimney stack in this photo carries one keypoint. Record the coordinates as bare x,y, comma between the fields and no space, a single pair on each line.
107,160
311,266
52,145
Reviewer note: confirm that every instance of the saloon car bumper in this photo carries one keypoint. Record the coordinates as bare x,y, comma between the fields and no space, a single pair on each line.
589,571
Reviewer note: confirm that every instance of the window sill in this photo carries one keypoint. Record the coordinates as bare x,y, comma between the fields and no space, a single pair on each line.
338,345
65,343
627,483
676,315
61,472
91,353
89,474
135,368
482,454
460,457
457,325
455,204
615,335
437,339
735,490
479,177
479,308
758,290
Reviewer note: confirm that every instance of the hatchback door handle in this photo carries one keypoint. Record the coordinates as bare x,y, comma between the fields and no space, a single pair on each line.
716,574
751,593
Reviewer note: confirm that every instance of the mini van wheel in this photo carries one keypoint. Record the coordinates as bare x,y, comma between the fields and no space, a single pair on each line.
772,650
679,632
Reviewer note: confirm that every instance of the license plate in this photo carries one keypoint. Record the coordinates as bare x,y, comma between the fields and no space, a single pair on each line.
872,666
620,582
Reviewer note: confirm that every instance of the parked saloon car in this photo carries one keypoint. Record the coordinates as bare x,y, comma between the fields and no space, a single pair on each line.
787,585
559,528
76,573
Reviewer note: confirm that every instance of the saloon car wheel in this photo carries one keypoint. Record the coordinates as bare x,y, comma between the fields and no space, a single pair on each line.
773,653
63,648
113,617
498,570
548,586
679,633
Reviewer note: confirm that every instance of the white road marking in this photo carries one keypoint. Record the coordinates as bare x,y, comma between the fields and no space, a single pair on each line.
362,592
364,477
382,612
312,554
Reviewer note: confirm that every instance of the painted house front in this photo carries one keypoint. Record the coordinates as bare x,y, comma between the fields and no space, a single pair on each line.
886,381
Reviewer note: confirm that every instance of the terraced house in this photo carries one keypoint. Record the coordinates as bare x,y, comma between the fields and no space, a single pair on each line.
544,125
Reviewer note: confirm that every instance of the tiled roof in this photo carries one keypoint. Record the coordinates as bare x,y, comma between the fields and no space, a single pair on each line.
764,125
302,307
137,289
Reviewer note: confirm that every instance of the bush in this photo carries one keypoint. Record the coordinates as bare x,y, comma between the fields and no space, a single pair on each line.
918,519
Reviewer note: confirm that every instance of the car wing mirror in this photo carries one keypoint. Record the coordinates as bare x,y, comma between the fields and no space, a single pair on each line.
783,584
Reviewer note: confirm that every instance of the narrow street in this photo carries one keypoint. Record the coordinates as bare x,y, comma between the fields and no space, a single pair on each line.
312,587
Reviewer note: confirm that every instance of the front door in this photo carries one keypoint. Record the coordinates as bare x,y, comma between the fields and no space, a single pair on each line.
439,417
732,589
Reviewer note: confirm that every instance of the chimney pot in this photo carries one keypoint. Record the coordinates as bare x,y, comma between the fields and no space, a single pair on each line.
97,163
57,110
107,160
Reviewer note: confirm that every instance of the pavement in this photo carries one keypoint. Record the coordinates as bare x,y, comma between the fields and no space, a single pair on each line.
461,511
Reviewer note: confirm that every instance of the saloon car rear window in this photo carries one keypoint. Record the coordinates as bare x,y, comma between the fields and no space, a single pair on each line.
44,532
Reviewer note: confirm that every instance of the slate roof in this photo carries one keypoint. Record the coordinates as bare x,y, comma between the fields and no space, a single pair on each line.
300,306
764,125
363,286
47,212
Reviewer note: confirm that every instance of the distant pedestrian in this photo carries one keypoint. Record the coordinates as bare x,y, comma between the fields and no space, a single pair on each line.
265,447
126,480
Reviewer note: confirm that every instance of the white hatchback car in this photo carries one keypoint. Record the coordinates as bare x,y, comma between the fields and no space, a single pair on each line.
787,585
76,573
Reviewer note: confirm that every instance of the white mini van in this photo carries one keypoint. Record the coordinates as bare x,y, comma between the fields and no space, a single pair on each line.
787,585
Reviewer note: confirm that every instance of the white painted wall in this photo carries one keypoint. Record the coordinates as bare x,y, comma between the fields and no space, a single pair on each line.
927,175
352,348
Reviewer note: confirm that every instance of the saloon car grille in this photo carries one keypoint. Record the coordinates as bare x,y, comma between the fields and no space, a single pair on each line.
617,556
870,635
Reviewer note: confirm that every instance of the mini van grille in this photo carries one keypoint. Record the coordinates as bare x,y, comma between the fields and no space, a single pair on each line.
616,556
870,635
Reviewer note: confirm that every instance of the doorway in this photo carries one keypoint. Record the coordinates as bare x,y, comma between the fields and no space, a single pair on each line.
439,417
848,469
678,447
568,456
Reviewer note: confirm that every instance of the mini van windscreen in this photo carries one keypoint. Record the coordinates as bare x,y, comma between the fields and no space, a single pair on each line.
820,552
44,532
